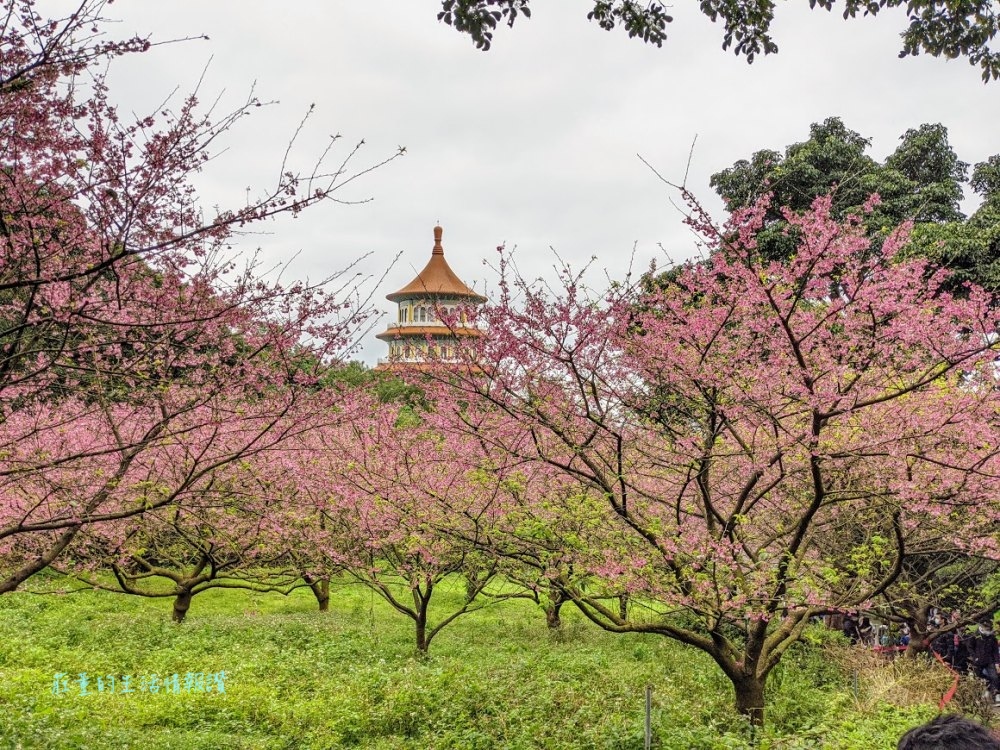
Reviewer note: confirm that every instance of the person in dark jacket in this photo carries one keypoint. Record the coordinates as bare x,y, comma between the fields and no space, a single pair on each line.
851,627
958,656
984,652
866,631
953,649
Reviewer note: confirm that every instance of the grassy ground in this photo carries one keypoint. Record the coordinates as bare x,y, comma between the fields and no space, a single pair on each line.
296,678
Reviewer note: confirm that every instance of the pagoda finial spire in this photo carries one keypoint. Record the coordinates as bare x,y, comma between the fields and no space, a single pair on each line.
438,250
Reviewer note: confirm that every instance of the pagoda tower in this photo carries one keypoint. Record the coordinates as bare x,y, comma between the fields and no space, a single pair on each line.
419,335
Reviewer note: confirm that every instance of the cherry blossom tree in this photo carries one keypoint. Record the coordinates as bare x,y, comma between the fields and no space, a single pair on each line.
403,507
230,521
126,325
767,440
540,533
306,512
124,444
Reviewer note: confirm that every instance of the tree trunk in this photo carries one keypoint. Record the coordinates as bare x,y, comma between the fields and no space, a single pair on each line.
920,641
552,618
321,590
421,632
555,602
421,601
181,605
471,586
623,606
750,698
919,644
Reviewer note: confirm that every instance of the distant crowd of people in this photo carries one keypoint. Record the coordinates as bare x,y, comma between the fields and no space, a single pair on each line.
976,652
966,651
862,630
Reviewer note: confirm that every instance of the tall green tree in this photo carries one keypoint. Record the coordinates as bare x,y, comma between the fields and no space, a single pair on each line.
970,249
833,159
921,181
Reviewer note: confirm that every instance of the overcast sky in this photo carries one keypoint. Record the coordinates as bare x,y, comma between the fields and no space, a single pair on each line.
534,143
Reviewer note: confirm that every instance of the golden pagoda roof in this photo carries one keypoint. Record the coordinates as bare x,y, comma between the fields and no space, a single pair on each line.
436,280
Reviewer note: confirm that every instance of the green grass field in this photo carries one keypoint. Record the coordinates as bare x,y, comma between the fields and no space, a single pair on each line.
298,678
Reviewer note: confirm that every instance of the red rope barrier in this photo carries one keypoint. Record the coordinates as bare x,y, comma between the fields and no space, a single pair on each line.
888,649
946,698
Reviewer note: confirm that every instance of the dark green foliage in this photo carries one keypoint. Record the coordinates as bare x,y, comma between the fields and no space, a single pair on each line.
647,21
479,18
942,29
970,249
389,388
986,178
920,181
834,156
931,172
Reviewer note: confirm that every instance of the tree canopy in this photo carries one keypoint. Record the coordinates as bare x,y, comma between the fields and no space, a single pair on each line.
921,181
949,30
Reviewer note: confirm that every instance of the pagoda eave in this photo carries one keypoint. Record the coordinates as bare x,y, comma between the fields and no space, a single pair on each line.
396,332
429,367
422,294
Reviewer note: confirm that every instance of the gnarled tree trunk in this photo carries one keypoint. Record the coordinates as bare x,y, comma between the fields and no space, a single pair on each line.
556,599
420,630
321,590
182,602
750,698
